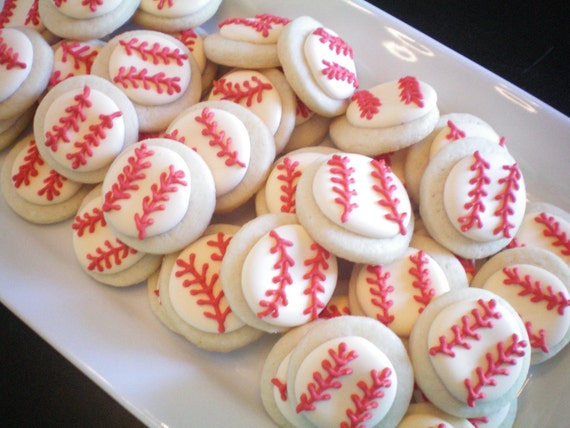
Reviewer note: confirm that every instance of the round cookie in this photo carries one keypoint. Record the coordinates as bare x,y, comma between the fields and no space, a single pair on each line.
246,42
427,415
155,70
159,196
234,143
26,61
350,370
470,352
85,20
318,64
472,198
101,254
33,190
537,284
72,58
275,276
386,118
192,296
355,207
82,124
155,302
174,15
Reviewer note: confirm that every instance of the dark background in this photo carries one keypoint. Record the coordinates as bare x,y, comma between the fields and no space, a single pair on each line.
525,42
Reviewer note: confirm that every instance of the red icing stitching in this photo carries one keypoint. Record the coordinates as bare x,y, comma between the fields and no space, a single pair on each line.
126,181
28,168
156,53
282,279
53,184
454,132
386,189
386,158
175,135
536,290
552,229
486,375
381,288
91,139
422,281
133,78
105,258
475,205
316,275
333,311
481,318
506,197
368,103
88,221
468,265
79,54
261,23
162,3
9,58
316,391
370,394
336,44
289,187
218,138
236,92
410,91
302,109
188,37
478,420
205,286
33,15
7,12
537,340
342,180
281,387
93,4
333,70
75,114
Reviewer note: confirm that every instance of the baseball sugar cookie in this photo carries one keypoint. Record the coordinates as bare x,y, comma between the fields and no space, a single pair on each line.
174,15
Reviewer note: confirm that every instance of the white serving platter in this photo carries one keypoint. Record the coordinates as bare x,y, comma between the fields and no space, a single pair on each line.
114,338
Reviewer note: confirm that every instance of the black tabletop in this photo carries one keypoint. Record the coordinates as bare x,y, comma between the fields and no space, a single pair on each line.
524,42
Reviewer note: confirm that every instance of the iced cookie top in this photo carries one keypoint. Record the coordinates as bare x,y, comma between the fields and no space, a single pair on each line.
391,103
261,29
362,195
16,57
345,381
36,182
85,9
397,292
194,287
72,58
146,191
17,13
485,196
84,129
172,8
151,68
476,347
287,278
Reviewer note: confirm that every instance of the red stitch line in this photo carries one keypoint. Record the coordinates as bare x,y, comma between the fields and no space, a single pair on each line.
335,369
156,53
342,180
479,420
175,135
537,340
261,23
221,243
381,289
336,44
79,53
33,15
7,12
29,168
420,271
302,109
454,132
88,221
368,103
380,380
385,188
552,229
476,205
333,311
136,79
335,71
289,178
467,264
281,387
9,58
316,275
507,197
162,3
282,279
188,38
53,183
112,255
410,91
236,92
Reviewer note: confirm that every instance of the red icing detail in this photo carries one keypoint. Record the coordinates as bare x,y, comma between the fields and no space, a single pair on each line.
76,113
282,279
136,79
537,340
422,281
410,91
203,282
248,90
335,369
515,243
503,141
386,189
28,169
468,328
475,205
381,288
552,230
336,44
479,420
316,276
112,254
126,181
188,37
454,132
79,54
91,139
385,157
333,311
302,109
218,138
156,53
53,184
468,265
9,58
261,23
380,380
175,135
290,174
88,221
93,4
169,183
536,290
33,15
336,71
507,355
162,3
368,103
342,180
507,197
281,386
7,12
